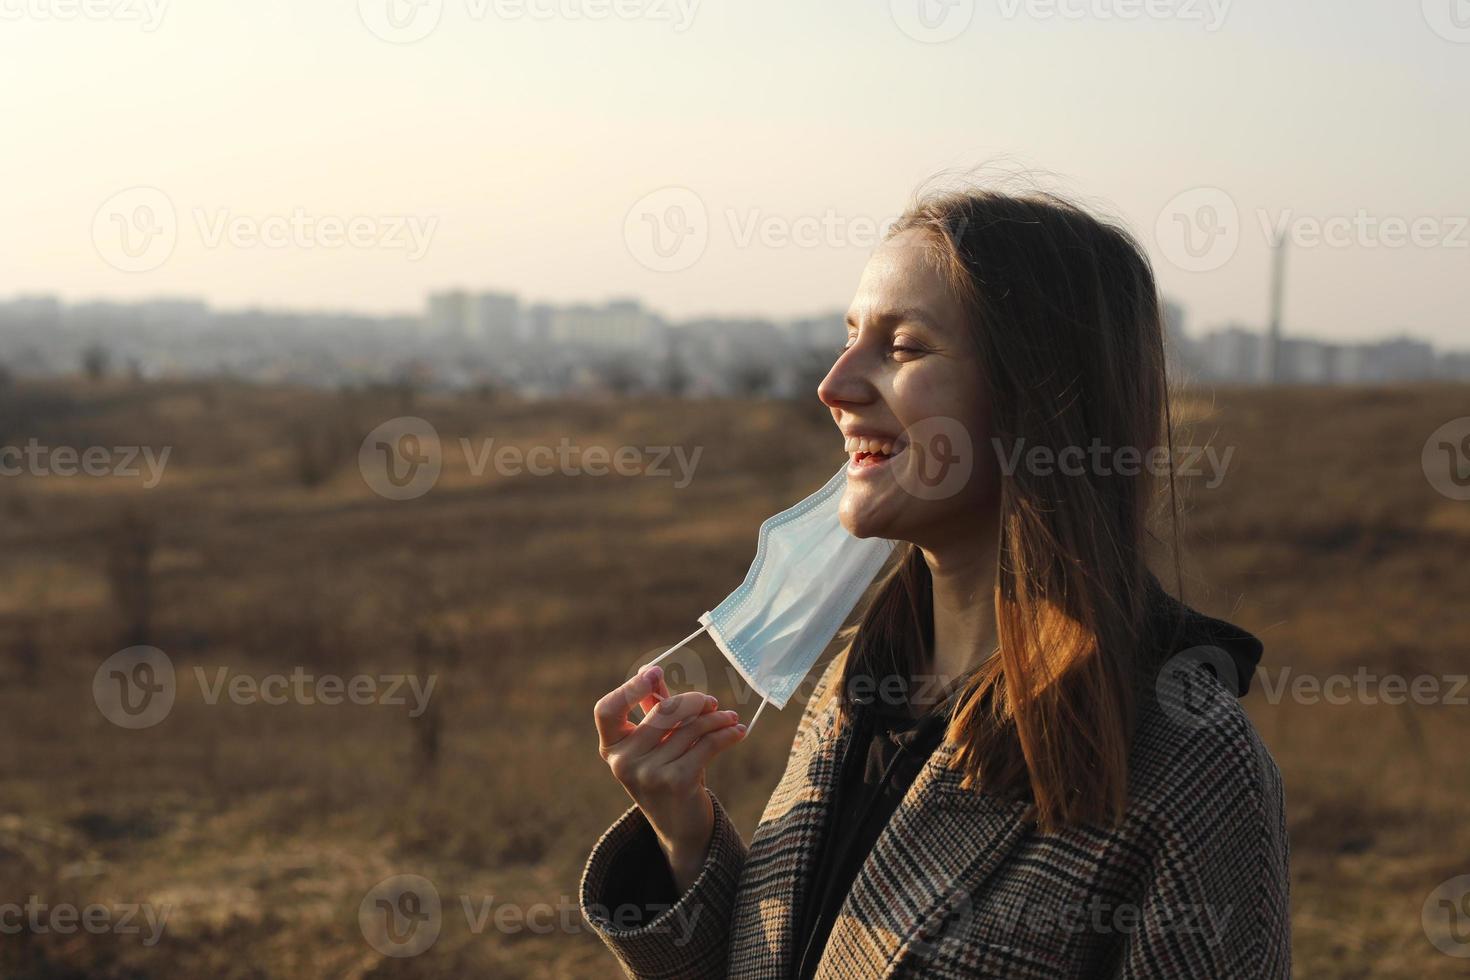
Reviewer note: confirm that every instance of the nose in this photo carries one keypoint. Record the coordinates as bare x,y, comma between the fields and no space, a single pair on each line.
847,383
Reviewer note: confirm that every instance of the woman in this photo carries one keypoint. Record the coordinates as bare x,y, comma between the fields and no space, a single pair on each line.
1059,788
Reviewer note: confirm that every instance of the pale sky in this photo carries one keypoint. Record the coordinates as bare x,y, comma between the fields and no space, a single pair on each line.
515,146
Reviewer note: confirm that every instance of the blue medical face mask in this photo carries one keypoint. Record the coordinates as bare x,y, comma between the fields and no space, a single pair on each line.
808,574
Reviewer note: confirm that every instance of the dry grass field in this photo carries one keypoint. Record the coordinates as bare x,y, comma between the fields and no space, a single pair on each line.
263,552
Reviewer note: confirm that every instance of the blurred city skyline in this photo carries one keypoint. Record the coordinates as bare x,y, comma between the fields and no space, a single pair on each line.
493,340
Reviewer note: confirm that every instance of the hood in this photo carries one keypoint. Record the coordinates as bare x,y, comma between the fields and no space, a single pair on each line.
1179,627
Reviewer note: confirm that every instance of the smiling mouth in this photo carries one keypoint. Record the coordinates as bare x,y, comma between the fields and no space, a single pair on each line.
865,452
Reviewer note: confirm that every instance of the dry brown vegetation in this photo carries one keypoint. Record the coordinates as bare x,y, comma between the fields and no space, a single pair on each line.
263,550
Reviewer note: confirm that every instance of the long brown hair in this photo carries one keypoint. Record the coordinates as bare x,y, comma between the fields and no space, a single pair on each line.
1066,313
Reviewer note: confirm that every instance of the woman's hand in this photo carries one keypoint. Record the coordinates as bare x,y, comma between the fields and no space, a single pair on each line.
661,760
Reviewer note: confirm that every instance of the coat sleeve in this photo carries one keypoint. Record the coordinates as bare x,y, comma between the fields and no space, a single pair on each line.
629,899
1218,903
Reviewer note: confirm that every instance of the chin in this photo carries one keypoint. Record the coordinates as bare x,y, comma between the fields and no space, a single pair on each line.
862,520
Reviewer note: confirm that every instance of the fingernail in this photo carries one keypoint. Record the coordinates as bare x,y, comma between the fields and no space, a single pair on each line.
740,728
710,701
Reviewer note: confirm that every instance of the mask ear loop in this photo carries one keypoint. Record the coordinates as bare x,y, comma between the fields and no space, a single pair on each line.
674,647
753,720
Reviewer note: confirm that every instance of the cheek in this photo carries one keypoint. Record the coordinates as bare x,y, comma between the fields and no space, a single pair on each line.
939,406
935,388
944,409
951,466
922,392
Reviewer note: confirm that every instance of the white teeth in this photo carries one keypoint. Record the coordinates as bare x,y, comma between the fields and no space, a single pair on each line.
864,444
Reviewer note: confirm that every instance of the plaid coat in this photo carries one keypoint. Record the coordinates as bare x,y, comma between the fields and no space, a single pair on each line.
1192,884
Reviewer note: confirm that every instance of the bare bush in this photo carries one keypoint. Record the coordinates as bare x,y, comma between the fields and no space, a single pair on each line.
131,543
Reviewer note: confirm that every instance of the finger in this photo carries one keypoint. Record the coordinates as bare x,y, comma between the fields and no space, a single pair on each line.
660,692
657,698
611,711
670,713
685,735
698,757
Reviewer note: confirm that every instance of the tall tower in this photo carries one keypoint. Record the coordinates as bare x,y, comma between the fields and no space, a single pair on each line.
1271,373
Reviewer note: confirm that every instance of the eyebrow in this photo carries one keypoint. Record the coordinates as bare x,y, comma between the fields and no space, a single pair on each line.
910,313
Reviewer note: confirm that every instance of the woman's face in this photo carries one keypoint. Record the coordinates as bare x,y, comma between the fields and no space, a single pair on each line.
906,393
